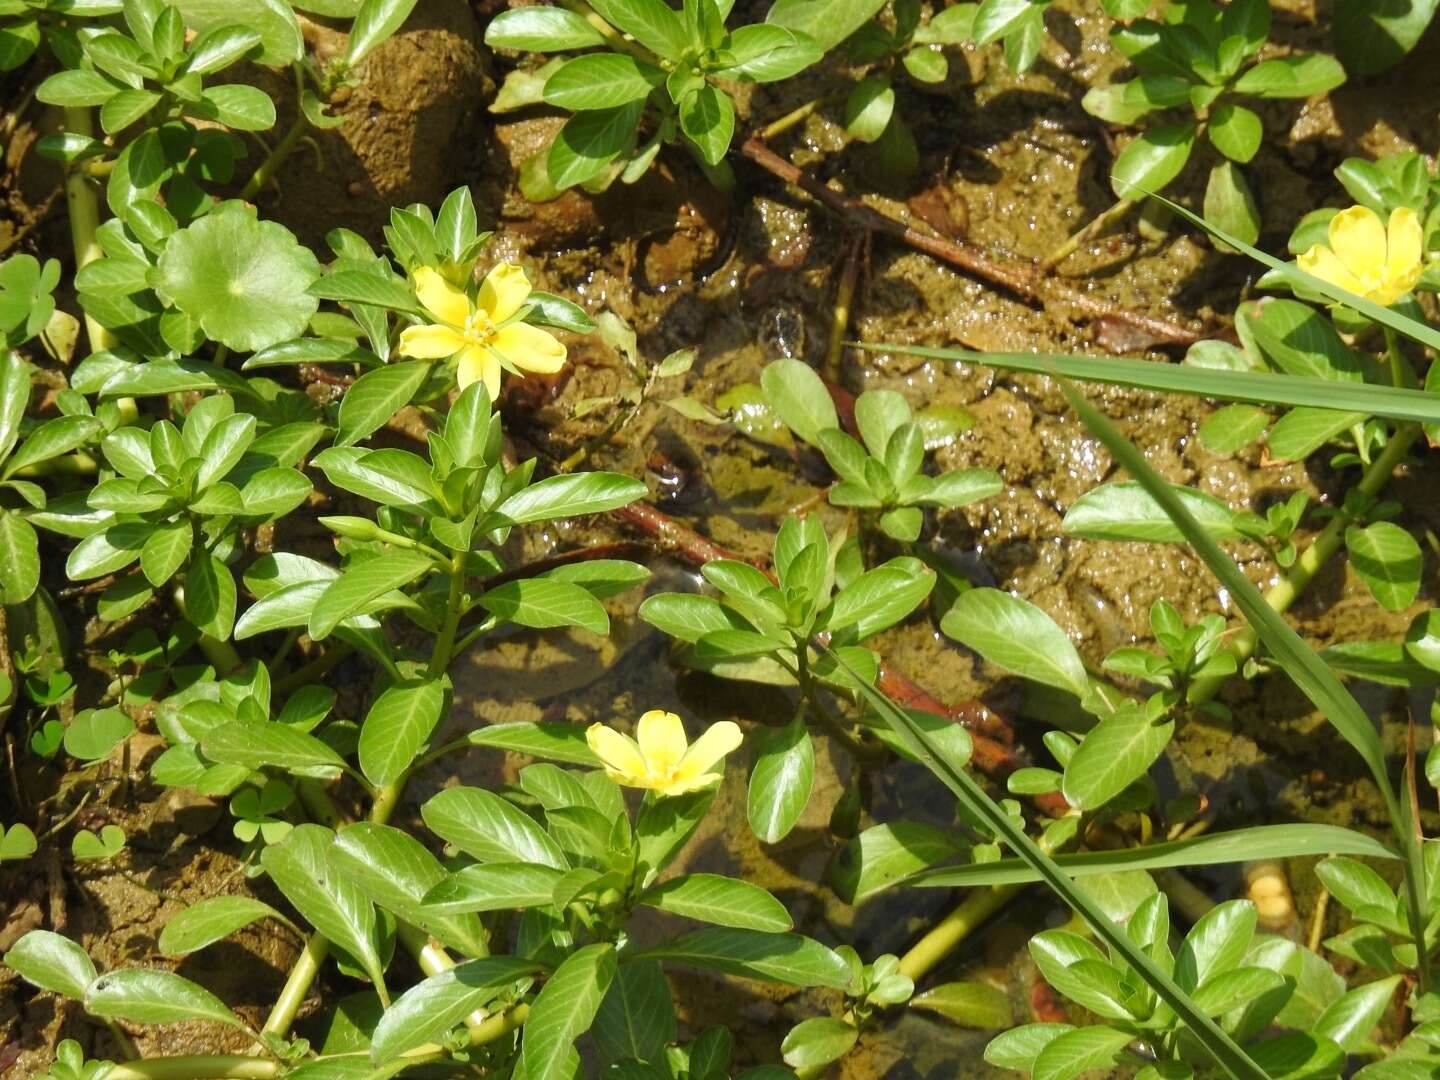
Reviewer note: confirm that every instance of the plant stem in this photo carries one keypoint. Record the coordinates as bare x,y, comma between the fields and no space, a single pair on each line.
297,985
271,165
1284,592
1096,224
949,932
197,1067
309,673
444,648
790,119
84,212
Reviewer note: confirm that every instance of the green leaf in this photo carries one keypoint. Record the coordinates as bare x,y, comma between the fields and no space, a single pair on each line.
1079,1051
280,40
781,781
1236,845
397,727
886,854
244,108
210,595
1122,510
543,739
210,920
155,997
764,52
337,907
428,1010
256,744
95,733
1350,1020
1371,37
374,22
816,1042
653,23
1018,636
396,871
377,396
494,886
708,119
589,142
969,1004
783,958
219,47
1230,203
490,829
541,29
1233,427
357,586
1116,752
1236,132
52,962
17,842
878,599
108,842
1217,942
1153,158
636,1020
601,81
1388,560
544,603
243,280
1260,387
1296,76
389,477
721,900
570,495
825,22
76,89
20,555
564,1010
799,396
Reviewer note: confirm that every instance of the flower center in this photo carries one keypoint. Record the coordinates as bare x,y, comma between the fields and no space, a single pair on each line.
479,328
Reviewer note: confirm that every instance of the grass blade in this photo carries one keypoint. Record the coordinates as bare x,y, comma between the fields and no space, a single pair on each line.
952,774
1257,387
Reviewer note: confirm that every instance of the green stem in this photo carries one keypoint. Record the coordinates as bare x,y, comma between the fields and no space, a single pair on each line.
197,1067
276,158
444,648
1095,225
1284,592
84,213
309,673
946,935
297,985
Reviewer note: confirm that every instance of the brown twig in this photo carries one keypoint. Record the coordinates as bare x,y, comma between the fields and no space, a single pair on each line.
993,753
1019,278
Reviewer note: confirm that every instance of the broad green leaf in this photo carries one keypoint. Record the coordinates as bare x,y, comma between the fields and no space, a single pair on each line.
52,962
543,739
50,440
1388,559
589,141
724,901
1115,752
825,22
243,280
425,1012
337,907
565,1009
1018,636
210,920
256,744
490,829
602,80
377,396
1153,158
1230,203
280,40
764,52
1217,942
374,22
886,854
17,842
1236,132
1350,1020
1076,1052
1122,510
636,1020
494,886
20,555
751,954
1296,76
95,733
816,1042
541,29
781,781
396,871
879,598
1371,37
397,727
570,495
653,23
357,586
970,1004
707,117
546,602
148,996
800,398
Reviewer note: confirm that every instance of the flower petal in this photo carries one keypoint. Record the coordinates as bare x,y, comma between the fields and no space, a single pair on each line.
618,753
661,736
1405,239
503,291
430,342
441,299
1326,265
1357,236
528,348
478,364
705,751
684,785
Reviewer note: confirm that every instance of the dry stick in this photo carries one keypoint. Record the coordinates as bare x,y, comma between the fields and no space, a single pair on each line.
1018,278
989,755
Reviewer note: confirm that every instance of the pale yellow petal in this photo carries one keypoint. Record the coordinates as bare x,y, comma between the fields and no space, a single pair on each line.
1405,238
441,299
503,291
706,751
1357,236
478,364
684,785
528,348
430,342
618,753
1324,264
661,736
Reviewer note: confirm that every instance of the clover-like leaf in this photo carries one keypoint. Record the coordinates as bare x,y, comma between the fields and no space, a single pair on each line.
244,280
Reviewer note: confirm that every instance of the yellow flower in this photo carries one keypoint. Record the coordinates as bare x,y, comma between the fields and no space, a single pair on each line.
1366,258
485,334
661,760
